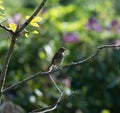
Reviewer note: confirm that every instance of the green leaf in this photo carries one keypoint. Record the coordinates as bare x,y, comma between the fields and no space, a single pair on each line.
35,32
1,7
27,35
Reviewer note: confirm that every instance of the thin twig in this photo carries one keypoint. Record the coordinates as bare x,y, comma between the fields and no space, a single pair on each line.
108,46
6,29
60,68
92,56
53,107
31,17
23,81
55,84
49,108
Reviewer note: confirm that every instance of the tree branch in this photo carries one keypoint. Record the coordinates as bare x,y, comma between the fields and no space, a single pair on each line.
11,48
6,63
31,17
6,29
60,68
55,84
49,108
27,21
53,107
24,80
99,48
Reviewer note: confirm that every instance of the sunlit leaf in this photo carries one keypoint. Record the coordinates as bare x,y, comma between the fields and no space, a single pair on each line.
1,17
34,24
1,2
108,3
1,7
27,35
105,111
1,10
42,55
35,21
27,17
35,32
13,27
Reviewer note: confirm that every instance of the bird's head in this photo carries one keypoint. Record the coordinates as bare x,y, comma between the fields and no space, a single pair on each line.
62,49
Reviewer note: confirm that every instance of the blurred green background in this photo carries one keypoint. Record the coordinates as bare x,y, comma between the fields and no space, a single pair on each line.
80,26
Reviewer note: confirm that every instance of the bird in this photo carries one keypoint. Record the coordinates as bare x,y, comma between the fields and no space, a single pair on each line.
57,58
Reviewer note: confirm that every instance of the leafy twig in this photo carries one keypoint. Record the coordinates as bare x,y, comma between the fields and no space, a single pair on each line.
31,17
11,48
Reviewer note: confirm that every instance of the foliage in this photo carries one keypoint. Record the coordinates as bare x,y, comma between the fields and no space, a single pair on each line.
1,10
80,26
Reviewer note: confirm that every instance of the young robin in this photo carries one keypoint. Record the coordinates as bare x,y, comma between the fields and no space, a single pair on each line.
57,58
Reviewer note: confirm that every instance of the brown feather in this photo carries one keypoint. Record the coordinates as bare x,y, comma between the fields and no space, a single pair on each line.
57,58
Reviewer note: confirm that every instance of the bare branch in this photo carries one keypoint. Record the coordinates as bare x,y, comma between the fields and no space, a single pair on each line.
109,46
92,56
31,17
53,107
49,108
55,84
6,63
60,68
23,81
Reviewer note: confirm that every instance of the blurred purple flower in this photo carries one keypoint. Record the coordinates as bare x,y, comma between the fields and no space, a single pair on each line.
97,27
70,38
114,23
93,25
43,10
67,82
15,19
115,26
90,23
